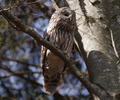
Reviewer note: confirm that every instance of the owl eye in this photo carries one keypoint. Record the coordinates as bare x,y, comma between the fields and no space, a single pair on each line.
66,14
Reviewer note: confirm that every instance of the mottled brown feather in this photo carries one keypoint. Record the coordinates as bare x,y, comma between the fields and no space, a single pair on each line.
60,33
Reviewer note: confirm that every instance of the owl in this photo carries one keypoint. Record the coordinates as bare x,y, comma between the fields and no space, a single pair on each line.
60,33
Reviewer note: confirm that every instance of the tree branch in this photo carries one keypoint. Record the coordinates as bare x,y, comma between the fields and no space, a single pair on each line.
16,6
19,73
18,61
30,31
6,68
37,4
59,3
54,4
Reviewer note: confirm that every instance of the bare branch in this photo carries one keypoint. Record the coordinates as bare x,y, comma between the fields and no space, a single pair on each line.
18,61
54,4
113,44
20,73
6,68
37,4
16,6
58,4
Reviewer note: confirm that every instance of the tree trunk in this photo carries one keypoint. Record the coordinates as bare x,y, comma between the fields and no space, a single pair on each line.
98,23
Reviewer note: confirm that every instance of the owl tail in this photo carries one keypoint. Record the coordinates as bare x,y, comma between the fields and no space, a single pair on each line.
51,84
52,72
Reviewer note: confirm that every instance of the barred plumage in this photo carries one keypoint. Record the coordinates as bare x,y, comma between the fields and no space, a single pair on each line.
60,33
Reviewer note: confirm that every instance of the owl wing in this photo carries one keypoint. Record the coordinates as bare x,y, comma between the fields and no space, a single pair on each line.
52,67
79,46
44,50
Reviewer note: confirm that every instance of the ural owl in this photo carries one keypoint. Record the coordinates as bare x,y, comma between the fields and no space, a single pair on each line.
60,33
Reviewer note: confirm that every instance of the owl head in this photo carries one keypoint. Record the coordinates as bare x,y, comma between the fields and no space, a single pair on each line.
64,18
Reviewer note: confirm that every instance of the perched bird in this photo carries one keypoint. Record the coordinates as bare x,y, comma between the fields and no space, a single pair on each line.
60,33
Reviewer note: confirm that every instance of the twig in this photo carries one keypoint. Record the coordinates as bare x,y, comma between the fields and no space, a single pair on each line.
16,6
54,4
18,61
113,44
6,68
19,73
41,6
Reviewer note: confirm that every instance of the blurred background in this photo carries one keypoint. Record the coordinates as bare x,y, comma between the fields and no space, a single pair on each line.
20,72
